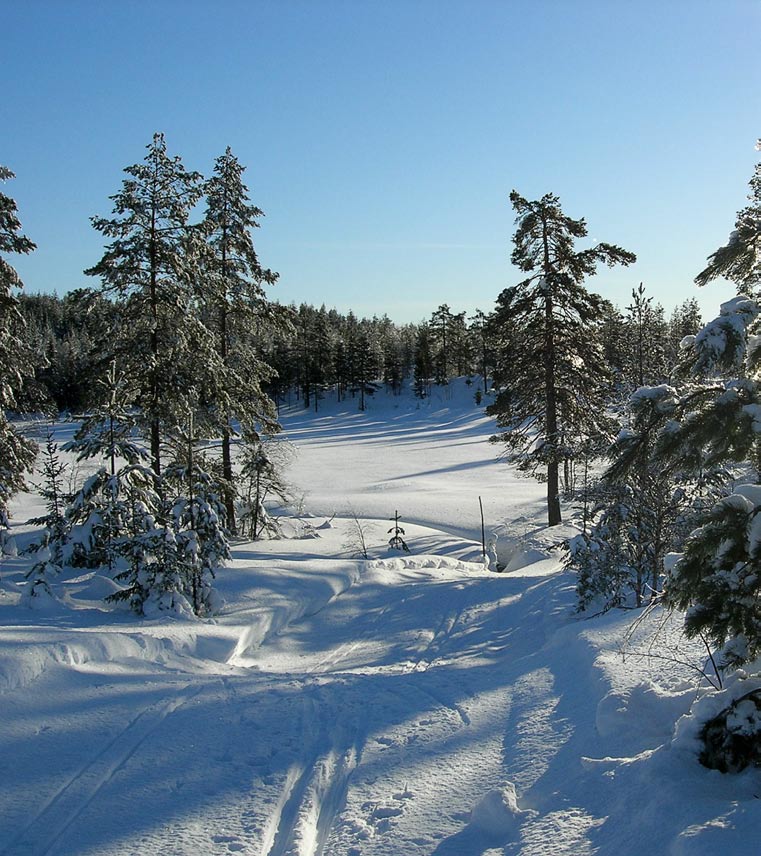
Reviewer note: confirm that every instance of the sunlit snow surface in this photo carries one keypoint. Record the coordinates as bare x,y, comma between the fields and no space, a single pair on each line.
408,704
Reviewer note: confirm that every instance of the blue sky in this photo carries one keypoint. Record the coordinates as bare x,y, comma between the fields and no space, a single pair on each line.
382,138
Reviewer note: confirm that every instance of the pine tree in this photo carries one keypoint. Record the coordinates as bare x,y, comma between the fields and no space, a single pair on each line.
233,291
555,371
16,452
478,331
150,267
645,336
738,260
424,367
440,342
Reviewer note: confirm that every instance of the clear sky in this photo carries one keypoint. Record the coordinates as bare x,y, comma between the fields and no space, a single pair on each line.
382,138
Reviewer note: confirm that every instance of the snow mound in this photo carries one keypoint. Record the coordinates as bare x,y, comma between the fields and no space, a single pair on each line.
96,587
497,813
643,713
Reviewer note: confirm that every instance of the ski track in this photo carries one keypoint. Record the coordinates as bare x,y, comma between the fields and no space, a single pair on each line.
314,790
49,825
315,786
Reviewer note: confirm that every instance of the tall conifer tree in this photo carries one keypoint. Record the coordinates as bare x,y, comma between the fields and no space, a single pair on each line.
554,370
16,452
150,266
233,293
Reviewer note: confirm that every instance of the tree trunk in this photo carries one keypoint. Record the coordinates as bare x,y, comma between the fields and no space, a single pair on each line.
227,473
155,392
554,516
227,462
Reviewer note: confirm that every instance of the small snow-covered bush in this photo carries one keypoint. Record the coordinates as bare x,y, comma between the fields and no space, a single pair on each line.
732,738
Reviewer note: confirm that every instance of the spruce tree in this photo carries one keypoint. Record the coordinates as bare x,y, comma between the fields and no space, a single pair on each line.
364,359
98,512
150,267
424,365
16,452
550,383
52,550
480,346
108,429
262,475
717,422
196,519
233,294
685,320
643,510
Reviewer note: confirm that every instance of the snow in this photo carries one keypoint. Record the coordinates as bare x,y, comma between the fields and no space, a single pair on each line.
413,704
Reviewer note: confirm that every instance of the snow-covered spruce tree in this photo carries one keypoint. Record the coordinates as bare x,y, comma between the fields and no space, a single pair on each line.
53,549
168,544
718,421
551,375
197,520
149,268
146,546
718,579
108,431
686,319
98,512
643,510
232,296
261,469
396,541
16,452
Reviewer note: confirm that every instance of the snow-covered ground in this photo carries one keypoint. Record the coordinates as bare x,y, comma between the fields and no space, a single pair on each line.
405,704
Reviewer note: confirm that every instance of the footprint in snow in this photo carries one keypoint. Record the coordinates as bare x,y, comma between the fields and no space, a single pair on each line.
234,845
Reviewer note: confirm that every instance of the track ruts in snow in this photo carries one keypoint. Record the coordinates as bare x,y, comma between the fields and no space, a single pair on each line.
40,835
316,784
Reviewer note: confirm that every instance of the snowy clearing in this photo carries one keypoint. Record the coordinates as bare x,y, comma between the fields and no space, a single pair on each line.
408,704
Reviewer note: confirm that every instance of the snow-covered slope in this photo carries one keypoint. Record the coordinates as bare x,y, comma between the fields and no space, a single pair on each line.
408,704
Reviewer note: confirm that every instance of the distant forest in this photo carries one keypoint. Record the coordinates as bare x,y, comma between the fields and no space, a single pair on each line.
323,349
